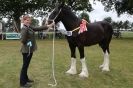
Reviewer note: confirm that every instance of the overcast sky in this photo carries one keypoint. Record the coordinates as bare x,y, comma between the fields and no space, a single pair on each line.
99,14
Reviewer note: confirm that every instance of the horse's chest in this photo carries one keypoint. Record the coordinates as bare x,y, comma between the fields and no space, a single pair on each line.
78,40
81,38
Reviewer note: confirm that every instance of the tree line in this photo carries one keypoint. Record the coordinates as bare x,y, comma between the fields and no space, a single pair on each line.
14,9
120,25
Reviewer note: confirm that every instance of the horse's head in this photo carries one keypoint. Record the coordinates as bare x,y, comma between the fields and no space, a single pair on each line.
56,15
59,12
64,13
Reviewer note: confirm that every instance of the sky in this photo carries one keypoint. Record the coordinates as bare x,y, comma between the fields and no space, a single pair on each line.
99,14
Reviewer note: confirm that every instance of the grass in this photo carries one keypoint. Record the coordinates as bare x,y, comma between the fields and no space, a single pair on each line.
127,34
120,76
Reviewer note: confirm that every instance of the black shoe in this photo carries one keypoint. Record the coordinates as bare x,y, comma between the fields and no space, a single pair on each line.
25,86
30,81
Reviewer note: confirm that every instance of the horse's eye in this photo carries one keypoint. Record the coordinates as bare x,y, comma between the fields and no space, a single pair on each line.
54,13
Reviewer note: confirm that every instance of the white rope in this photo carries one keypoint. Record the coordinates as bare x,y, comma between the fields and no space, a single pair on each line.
53,67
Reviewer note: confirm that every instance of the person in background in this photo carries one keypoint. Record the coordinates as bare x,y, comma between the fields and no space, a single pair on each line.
28,47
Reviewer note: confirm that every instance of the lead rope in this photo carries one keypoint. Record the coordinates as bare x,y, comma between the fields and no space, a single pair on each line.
53,67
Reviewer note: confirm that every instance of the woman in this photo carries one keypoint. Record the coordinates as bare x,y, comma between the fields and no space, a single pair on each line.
28,47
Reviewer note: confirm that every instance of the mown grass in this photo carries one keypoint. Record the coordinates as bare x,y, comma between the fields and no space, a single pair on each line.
127,34
121,65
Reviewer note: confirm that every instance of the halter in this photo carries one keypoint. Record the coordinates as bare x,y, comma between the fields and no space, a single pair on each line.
55,16
68,33
76,29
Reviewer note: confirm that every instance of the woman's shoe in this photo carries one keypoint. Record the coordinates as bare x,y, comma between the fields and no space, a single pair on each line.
26,86
30,81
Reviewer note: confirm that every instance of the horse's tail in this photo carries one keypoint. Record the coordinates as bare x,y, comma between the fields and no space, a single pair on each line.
108,32
108,29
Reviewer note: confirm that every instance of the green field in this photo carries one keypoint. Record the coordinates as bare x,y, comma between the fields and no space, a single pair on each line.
127,34
121,65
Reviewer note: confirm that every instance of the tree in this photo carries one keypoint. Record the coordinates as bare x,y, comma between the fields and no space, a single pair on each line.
121,6
80,5
85,16
131,26
16,8
77,4
120,25
108,19
126,25
9,26
34,22
114,25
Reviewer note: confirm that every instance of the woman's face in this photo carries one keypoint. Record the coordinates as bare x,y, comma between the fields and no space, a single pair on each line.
27,21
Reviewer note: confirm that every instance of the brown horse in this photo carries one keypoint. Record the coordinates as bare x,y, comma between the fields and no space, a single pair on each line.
97,33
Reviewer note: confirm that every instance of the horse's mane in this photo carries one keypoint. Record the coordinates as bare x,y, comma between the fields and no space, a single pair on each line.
69,11
67,8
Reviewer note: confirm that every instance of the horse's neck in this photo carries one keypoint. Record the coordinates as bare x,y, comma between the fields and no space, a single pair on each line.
70,23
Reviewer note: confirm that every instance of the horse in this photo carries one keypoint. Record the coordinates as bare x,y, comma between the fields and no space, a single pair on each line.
97,33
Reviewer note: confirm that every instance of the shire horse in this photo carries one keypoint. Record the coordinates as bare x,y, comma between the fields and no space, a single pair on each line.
97,33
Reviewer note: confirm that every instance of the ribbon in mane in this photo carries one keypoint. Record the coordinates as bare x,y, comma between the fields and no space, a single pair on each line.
83,27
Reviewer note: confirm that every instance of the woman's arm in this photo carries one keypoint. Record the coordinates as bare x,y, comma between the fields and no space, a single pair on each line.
39,28
45,27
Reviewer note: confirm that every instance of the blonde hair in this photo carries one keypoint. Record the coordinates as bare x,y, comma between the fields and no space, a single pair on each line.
25,17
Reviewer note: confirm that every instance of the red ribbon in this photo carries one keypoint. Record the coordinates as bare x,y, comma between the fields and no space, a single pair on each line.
83,27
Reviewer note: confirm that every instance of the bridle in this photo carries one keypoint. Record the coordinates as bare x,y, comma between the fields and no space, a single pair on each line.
69,33
53,20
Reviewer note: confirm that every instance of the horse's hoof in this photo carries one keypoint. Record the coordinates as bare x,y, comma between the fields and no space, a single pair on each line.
105,69
71,72
101,66
83,75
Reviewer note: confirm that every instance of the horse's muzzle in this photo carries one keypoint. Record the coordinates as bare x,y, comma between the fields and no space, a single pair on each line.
50,21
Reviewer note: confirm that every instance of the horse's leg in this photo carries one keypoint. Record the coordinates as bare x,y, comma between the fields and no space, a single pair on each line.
72,69
84,72
105,65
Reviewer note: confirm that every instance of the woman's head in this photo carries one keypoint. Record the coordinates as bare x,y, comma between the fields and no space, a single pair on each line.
26,20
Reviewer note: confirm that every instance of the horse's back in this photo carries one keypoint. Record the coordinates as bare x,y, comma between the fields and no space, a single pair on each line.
107,26
96,32
103,26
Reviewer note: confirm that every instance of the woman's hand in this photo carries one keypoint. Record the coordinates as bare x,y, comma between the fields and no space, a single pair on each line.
51,25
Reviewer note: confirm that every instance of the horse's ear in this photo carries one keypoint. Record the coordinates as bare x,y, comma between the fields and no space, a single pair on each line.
70,2
62,4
